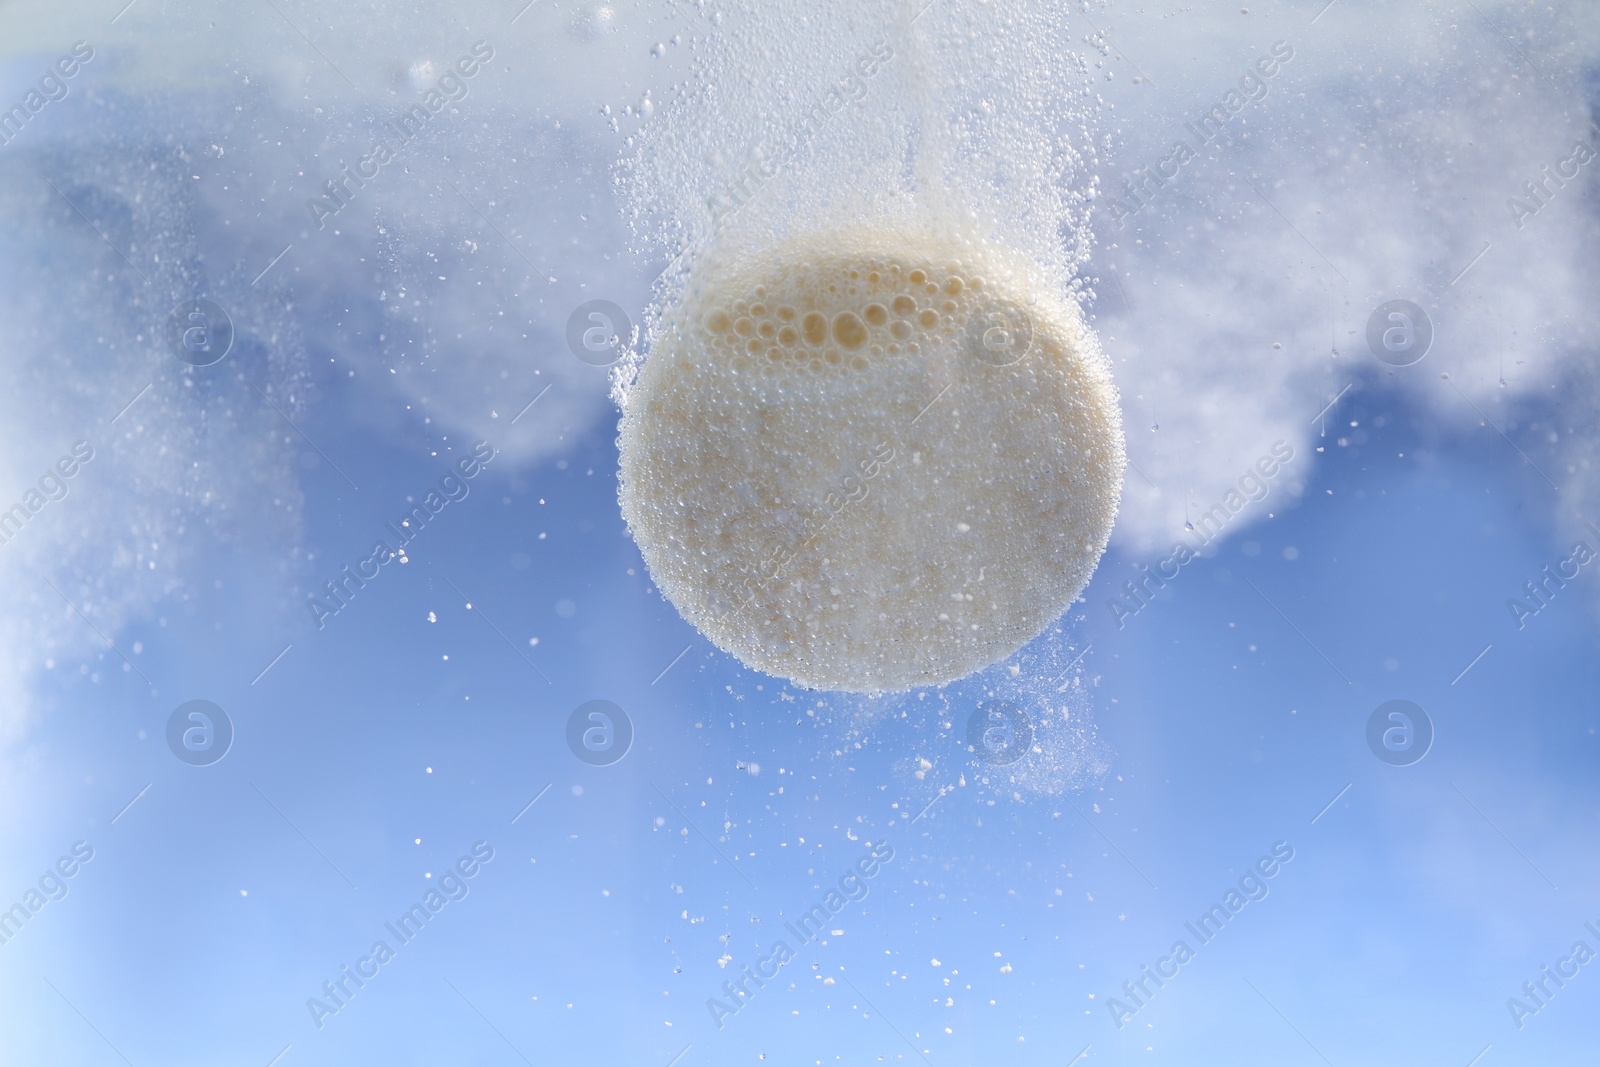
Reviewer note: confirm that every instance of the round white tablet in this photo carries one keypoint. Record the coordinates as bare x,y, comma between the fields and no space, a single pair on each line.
870,462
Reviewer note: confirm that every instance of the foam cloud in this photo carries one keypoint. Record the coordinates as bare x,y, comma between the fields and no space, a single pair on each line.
440,293
1377,166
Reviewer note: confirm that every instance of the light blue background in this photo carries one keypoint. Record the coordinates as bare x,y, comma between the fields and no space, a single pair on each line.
389,742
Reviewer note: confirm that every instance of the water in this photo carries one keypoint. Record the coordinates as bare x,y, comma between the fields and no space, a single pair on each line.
323,605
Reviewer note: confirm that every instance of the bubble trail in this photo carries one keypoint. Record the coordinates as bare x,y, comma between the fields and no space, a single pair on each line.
875,444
